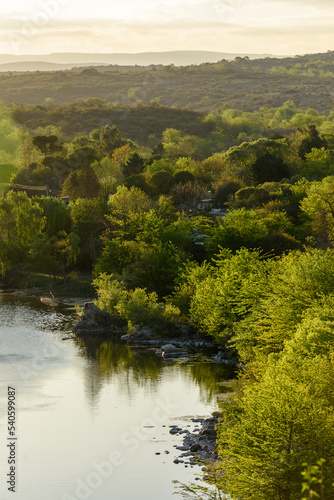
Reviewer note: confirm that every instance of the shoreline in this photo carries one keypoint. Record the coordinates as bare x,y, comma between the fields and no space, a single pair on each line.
185,342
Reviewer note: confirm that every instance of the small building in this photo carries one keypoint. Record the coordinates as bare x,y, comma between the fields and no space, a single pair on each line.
204,205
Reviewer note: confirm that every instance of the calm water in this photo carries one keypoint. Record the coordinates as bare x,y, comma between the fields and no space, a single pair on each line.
92,414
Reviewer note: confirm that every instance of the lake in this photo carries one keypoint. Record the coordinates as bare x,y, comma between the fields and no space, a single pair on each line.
92,413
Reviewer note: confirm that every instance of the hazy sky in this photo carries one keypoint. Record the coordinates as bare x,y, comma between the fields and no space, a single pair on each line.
261,26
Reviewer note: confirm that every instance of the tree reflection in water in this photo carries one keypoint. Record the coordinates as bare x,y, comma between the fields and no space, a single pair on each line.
139,366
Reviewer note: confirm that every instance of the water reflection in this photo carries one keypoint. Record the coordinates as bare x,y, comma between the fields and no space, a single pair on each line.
77,398
140,366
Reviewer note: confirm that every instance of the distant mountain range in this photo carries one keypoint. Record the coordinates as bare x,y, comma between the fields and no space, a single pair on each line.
61,61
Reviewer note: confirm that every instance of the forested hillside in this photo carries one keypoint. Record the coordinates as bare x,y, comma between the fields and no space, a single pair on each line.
242,83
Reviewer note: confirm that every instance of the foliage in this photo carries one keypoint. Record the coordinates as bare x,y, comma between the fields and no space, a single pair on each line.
319,163
136,307
161,182
20,220
110,139
133,165
319,206
188,194
285,420
10,137
81,183
57,215
54,254
228,292
239,228
88,222
312,140
297,281
196,492
146,250
243,84
46,144
109,174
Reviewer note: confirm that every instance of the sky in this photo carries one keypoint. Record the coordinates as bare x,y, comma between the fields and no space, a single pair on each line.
279,27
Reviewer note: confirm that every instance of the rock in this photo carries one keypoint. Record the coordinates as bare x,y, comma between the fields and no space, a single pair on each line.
95,320
166,452
176,461
168,348
201,443
145,332
158,453
174,430
195,447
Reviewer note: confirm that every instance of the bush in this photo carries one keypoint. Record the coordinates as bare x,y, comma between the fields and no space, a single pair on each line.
135,307
225,189
251,197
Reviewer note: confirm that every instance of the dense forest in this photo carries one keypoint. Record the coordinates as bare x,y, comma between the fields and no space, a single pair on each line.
220,220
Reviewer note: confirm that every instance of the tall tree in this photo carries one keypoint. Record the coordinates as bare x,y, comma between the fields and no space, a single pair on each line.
47,144
110,139
311,140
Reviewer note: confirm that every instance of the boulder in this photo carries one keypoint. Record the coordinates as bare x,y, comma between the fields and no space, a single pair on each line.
96,320
170,350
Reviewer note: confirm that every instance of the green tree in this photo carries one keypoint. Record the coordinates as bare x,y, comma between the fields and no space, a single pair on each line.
10,137
109,174
133,165
228,292
126,209
269,167
82,183
88,217
20,220
110,139
182,177
319,163
161,181
47,144
239,228
54,254
297,280
259,160
319,207
139,181
311,140
57,215
162,164
280,424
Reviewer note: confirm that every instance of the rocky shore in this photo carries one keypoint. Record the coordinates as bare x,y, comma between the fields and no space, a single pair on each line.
199,446
181,343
